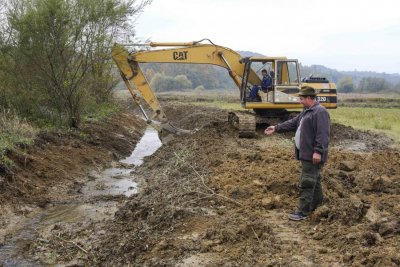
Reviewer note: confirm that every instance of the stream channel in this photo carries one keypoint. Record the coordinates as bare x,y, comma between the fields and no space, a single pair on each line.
114,181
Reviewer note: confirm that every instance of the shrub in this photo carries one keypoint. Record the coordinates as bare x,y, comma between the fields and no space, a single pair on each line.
56,55
163,83
15,134
200,88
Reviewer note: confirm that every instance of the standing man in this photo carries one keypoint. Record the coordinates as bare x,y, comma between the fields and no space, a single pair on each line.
312,128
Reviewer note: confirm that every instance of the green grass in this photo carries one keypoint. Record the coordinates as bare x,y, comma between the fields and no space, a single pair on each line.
210,98
382,120
218,104
15,135
370,102
100,112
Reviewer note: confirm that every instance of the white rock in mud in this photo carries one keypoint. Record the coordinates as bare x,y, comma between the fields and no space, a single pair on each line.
257,182
372,215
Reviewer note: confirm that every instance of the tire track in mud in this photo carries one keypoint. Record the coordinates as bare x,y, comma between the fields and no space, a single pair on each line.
292,246
291,236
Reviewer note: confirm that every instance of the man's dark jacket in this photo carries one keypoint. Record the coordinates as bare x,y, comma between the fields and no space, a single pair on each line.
266,82
314,132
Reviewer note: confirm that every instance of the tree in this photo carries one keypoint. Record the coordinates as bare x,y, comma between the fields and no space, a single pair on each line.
346,85
182,82
149,73
373,84
162,82
396,88
211,77
58,54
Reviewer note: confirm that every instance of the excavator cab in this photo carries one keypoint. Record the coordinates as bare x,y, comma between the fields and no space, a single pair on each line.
281,97
285,85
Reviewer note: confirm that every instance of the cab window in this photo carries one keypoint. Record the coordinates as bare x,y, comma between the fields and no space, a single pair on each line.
287,73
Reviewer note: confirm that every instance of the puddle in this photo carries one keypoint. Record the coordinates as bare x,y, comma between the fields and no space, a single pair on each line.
146,147
114,181
354,146
118,180
11,253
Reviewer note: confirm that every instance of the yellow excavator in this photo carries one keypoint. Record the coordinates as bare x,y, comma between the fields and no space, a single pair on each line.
245,72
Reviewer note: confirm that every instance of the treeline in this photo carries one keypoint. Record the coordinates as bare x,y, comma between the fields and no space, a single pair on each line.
55,56
167,77
356,81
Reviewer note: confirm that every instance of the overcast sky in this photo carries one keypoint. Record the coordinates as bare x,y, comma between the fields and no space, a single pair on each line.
359,35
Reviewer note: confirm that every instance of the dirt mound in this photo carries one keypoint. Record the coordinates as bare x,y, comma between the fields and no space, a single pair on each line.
212,199
347,138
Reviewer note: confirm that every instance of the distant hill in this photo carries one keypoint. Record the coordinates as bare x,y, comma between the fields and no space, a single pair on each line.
214,77
357,76
391,78
249,54
335,75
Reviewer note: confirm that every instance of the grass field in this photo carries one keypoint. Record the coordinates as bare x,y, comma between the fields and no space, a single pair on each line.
383,120
369,100
373,112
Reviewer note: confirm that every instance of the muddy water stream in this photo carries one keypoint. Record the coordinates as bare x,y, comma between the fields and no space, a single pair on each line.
117,180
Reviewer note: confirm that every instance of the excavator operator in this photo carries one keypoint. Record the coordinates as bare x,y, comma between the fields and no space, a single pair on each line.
265,86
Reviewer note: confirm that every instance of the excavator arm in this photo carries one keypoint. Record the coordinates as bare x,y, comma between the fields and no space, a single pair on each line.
192,52
275,103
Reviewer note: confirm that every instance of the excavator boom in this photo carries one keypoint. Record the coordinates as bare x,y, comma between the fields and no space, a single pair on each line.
194,53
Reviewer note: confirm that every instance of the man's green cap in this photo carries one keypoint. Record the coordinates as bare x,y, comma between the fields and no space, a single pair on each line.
307,91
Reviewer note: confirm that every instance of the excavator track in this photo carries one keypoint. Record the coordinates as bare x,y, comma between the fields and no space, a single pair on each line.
244,122
247,122
273,118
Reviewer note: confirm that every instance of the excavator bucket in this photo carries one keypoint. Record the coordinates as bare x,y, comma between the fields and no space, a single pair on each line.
166,131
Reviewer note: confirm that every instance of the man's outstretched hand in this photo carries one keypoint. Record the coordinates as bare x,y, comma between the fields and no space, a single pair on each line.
270,130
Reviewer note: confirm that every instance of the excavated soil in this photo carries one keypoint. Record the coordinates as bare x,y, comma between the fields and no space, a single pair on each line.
55,168
212,199
57,162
